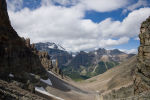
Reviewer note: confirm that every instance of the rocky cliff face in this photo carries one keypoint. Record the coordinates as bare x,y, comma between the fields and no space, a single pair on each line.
17,55
21,65
142,75
18,59
4,14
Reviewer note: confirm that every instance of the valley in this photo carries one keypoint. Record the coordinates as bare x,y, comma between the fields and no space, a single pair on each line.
47,71
83,65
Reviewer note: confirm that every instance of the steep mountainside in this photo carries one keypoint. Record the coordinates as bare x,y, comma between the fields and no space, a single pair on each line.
116,77
85,65
116,83
17,56
142,76
55,51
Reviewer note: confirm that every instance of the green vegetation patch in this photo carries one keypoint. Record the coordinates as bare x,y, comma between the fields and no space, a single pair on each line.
77,74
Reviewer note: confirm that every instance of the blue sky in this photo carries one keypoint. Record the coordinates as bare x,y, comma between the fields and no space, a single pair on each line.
81,24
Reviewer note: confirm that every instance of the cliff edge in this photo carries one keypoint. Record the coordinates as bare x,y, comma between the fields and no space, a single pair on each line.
142,75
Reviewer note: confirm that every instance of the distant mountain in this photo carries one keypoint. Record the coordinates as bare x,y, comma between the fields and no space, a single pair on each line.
55,51
49,45
83,65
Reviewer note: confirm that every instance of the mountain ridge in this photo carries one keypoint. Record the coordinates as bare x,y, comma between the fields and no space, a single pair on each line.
85,64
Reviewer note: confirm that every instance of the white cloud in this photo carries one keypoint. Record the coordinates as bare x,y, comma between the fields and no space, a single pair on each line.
67,27
136,5
14,4
104,5
129,27
97,5
131,51
111,42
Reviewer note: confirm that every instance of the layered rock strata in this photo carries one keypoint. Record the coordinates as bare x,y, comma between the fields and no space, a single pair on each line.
142,74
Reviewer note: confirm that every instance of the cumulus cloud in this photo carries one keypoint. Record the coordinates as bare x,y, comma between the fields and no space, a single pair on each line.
139,3
66,26
104,5
97,5
130,26
111,42
131,51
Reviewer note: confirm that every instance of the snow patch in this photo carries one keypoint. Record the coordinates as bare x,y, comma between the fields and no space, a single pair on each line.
43,91
55,46
11,75
51,72
32,74
60,47
51,47
48,81
95,52
73,55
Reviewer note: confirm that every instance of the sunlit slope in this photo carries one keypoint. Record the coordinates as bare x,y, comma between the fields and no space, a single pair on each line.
114,78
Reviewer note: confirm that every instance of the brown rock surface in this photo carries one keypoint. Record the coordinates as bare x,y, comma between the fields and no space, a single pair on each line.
4,14
45,60
19,58
12,92
16,54
142,75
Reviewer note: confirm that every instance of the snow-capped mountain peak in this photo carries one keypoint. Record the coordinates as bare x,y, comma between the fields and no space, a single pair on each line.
50,45
55,46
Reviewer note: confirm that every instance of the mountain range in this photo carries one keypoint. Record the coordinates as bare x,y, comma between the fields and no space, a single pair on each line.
83,65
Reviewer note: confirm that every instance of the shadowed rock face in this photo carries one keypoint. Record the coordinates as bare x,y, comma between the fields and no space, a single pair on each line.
5,23
21,60
142,75
17,56
3,13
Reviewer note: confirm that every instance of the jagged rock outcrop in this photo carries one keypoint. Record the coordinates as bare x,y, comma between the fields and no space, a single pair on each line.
57,70
142,75
45,60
